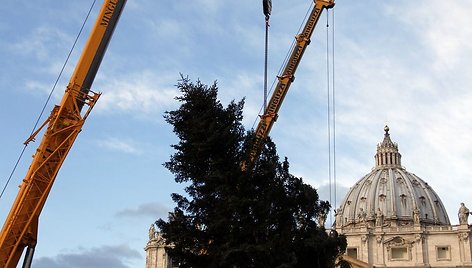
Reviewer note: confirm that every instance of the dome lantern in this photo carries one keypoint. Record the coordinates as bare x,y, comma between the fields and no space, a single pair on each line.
387,153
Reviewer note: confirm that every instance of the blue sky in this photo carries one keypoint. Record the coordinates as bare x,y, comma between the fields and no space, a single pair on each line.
401,63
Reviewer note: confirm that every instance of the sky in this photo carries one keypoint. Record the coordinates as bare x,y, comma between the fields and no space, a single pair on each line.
398,63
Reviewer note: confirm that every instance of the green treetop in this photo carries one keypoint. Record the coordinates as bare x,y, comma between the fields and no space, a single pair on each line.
263,217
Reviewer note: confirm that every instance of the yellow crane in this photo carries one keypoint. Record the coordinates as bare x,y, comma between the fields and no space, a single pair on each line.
63,125
284,81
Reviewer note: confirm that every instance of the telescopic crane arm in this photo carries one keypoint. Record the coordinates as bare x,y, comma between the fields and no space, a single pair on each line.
63,125
285,80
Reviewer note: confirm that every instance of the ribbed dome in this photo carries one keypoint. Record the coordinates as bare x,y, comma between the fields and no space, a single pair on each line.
390,195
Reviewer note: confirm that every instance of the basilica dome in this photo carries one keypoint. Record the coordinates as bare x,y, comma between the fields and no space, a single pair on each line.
390,196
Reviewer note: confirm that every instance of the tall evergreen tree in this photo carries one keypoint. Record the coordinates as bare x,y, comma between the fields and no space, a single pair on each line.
229,218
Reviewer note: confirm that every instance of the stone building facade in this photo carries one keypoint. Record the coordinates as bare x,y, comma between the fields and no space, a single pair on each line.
156,255
393,218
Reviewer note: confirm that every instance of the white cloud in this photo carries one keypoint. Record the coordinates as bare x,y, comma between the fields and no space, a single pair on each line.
242,85
154,209
139,94
445,31
37,86
120,145
169,28
41,42
118,256
209,6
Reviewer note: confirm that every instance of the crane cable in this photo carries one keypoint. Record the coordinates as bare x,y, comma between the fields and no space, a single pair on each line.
328,77
331,114
48,98
266,54
334,112
267,8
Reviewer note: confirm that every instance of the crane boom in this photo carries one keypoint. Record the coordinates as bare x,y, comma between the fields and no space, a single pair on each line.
63,125
285,80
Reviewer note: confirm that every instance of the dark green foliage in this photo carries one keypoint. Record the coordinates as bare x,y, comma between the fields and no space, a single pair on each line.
231,218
